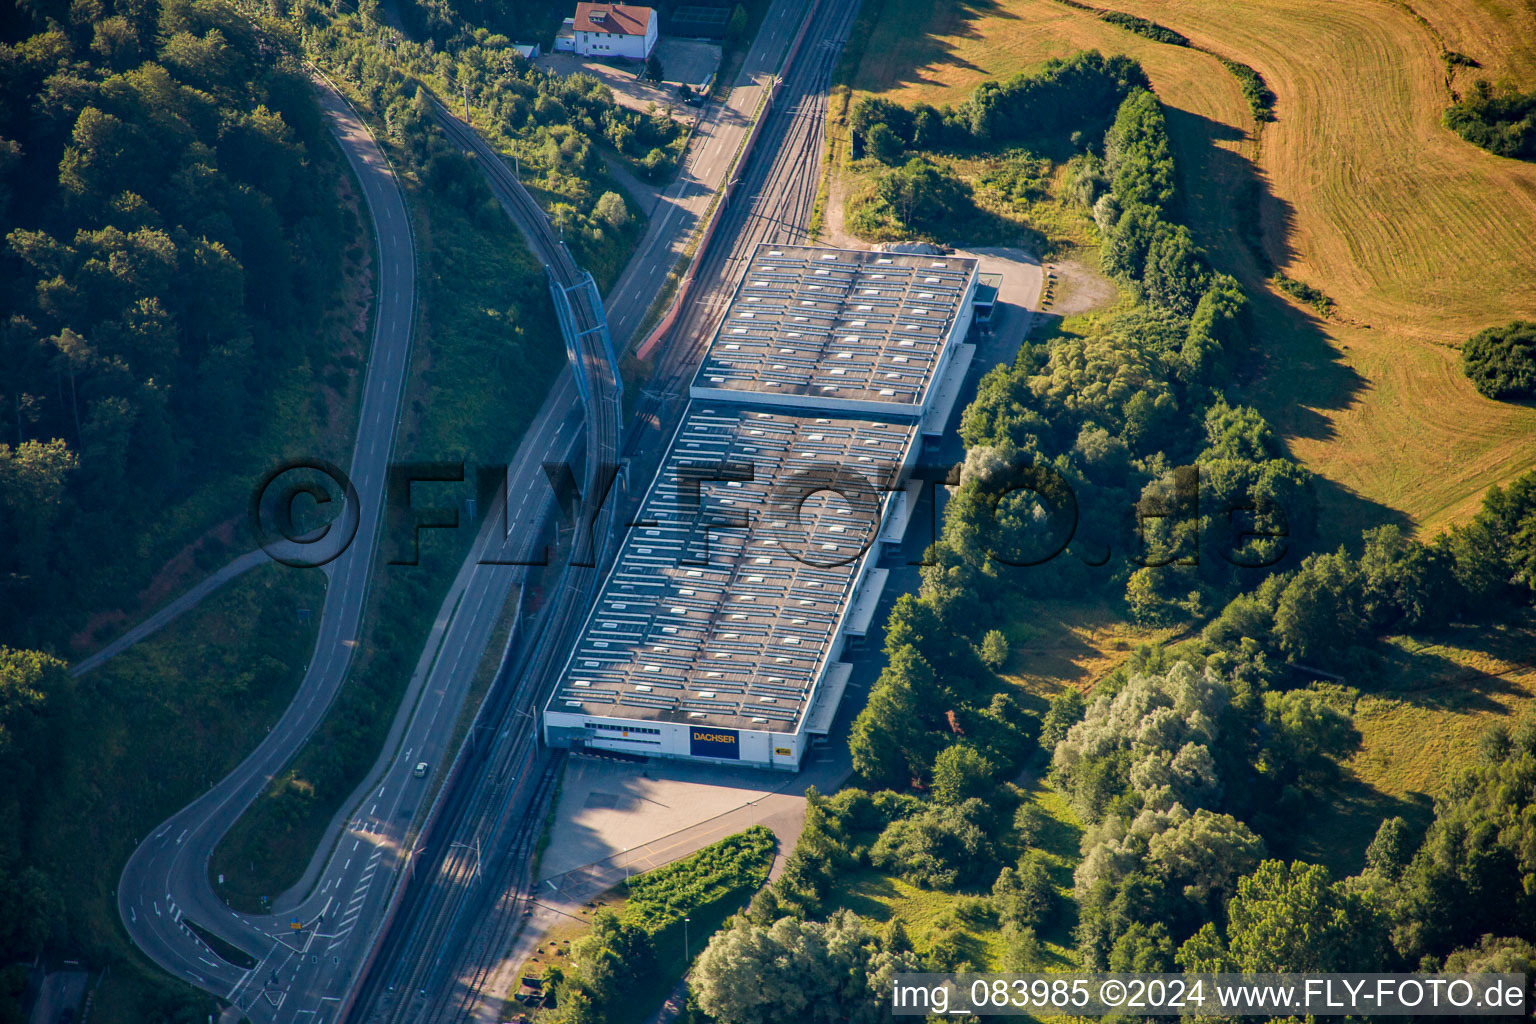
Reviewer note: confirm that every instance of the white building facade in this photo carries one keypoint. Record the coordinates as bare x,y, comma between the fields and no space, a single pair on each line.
720,633
614,30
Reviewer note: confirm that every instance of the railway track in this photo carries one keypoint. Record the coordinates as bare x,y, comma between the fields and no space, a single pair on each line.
470,914
481,852
488,827
773,203
596,373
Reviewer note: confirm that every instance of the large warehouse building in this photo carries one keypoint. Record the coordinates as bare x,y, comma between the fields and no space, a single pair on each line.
719,632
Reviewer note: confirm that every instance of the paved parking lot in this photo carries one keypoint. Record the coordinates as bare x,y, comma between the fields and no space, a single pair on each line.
682,60
687,60
610,807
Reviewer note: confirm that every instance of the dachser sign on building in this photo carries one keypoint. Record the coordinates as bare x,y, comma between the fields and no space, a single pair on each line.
720,631
704,741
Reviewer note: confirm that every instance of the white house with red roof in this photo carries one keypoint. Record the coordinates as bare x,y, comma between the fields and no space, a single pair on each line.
609,30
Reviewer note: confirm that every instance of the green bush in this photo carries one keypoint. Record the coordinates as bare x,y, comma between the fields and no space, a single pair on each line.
1500,121
1080,92
611,961
1501,361
1260,100
1303,292
924,195
1143,27
940,847
1456,59
737,864
1138,158
1024,897
882,144
1139,240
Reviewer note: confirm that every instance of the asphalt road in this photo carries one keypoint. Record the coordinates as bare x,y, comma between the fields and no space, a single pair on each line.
718,137
442,958
165,881
721,130
347,890
306,973
421,943
344,898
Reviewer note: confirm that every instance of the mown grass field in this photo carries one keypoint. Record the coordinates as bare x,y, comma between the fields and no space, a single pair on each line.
1430,700
1419,238
1054,645
1501,34
929,915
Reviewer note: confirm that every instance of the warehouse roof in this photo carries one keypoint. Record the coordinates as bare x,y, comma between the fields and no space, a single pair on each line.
822,326
726,595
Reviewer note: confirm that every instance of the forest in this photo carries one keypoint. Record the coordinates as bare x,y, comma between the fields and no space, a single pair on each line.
560,129
173,228
1107,464
179,229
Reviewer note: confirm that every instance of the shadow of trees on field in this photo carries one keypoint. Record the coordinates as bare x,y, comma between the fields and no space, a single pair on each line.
1429,679
1058,662
1339,828
867,893
1221,189
1294,374
925,26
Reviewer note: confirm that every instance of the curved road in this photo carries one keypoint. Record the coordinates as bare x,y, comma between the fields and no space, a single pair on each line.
305,973
351,890
443,958
717,138
346,897
165,881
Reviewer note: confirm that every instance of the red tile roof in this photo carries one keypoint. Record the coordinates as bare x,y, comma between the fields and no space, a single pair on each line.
621,19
